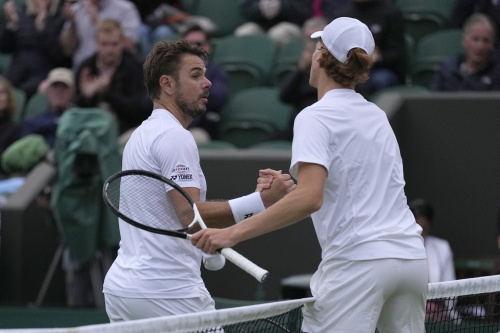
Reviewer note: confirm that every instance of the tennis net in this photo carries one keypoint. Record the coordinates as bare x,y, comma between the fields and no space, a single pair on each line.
468,305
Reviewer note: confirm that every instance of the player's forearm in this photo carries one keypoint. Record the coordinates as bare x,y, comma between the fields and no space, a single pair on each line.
216,214
293,208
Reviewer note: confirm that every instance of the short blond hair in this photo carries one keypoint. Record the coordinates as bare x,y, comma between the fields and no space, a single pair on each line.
108,26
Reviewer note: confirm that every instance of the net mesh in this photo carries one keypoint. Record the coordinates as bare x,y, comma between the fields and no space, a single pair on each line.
469,305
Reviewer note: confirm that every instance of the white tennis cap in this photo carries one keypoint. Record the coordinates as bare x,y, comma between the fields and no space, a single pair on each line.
344,34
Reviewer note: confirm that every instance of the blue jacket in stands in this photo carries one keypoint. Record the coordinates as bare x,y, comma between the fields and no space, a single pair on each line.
451,76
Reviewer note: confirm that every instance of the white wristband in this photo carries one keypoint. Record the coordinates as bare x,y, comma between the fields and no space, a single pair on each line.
244,207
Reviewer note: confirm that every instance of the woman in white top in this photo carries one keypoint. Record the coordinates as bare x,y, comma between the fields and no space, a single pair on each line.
349,172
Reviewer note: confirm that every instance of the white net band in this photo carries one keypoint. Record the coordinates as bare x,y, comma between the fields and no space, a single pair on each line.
193,322
453,306
474,286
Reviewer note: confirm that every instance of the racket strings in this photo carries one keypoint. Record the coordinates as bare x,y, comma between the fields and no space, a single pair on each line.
146,201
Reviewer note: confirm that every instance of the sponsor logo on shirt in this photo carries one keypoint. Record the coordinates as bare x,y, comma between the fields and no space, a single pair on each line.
181,172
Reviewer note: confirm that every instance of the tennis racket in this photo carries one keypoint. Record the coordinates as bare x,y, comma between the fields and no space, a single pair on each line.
156,204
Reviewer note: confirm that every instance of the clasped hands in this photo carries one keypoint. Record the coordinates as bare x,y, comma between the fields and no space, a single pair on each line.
274,185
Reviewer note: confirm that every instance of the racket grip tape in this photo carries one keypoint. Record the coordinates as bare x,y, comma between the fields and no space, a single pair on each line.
245,264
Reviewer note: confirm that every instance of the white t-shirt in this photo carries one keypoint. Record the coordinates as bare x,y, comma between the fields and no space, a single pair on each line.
365,213
150,265
440,258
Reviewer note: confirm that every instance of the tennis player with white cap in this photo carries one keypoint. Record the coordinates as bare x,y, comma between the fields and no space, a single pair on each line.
349,173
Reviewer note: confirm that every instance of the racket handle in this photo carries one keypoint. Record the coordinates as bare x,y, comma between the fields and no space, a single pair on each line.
245,264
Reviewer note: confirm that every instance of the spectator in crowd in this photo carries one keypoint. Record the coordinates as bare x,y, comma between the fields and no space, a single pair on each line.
327,8
295,88
60,90
112,78
148,32
463,9
439,254
387,26
476,69
280,19
77,37
219,91
31,34
9,131
439,258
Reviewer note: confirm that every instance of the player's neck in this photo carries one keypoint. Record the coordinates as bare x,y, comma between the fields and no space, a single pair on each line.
325,84
174,110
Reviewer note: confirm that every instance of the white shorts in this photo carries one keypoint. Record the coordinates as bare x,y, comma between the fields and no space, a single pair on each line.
124,308
359,296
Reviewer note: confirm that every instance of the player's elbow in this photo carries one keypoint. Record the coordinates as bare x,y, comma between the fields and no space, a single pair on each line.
316,205
313,203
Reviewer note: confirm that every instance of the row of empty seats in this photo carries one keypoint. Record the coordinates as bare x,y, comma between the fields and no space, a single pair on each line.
423,17
251,114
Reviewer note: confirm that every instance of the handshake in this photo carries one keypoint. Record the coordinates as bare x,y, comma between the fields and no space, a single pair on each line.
274,185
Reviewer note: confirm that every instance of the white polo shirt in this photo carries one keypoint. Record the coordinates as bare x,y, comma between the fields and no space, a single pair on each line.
150,265
440,258
365,213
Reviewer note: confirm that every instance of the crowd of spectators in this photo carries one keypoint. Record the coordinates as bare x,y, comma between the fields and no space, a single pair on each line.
104,42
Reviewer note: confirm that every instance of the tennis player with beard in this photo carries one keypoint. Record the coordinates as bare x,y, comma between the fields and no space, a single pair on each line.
154,275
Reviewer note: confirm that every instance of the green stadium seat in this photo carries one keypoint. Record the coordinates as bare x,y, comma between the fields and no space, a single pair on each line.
188,5
225,13
287,59
432,51
21,102
424,17
36,104
443,8
247,59
5,59
251,114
